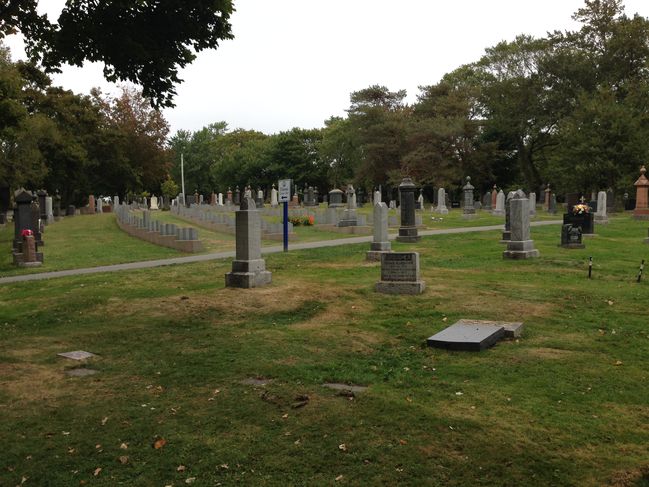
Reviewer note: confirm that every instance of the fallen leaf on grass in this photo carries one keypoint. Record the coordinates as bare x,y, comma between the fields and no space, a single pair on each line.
159,443
123,460
190,480
340,477
618,363
181,468
342,447
403,442
104,421
124,446
97,471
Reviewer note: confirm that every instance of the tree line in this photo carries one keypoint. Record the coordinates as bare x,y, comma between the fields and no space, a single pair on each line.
569,109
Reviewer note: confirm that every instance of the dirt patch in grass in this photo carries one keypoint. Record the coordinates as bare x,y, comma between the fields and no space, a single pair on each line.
19,382
631,478
549,353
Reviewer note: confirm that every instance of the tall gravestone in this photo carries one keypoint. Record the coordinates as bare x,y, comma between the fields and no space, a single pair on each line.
408,229
259,201
494,197
42,194
380,242
499,208
532,204
274,197
350,218
507,231
237,196
49,210
441,202
91,204
468,209
248,268
601,215
520,246
547,192
22,215
553,204
486,201
420,201
400,274
641,211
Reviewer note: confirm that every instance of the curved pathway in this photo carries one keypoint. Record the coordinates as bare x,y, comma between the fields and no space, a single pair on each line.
225,255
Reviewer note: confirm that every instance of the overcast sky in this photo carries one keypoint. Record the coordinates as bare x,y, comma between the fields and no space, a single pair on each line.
294,63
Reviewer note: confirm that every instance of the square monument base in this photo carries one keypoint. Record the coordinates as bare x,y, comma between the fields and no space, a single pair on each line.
400,287
520,250
408,234
247,279
467,337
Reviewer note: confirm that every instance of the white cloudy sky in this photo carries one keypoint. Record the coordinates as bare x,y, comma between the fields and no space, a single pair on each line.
293,63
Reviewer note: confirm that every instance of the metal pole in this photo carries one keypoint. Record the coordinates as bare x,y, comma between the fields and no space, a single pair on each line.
182,176
285,226
590,267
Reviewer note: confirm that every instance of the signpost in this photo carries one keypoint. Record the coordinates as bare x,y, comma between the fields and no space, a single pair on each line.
284,197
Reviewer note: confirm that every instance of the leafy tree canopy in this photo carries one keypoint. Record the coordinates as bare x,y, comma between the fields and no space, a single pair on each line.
144,42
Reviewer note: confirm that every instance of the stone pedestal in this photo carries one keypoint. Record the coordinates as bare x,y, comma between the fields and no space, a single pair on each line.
468,210
380,243
520,246
408,229
248,268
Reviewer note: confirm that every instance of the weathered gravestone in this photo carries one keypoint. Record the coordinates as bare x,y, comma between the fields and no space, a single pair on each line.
259,201
468,210
520,246
335,198
248,268
400,274
408,229
27,255
49,210
380,243
237,196
486,201
532,204
274,197
571,237
441,202
641,211
474,335
350,218
22,216
507,231
499,208
153,205
600,215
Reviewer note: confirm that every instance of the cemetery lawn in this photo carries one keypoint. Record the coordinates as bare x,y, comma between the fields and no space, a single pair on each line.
173,399
82,241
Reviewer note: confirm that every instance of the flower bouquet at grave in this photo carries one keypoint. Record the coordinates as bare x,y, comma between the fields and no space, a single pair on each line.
580,209
306,221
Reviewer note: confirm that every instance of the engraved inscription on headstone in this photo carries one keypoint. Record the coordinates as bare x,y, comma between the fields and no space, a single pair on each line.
400,266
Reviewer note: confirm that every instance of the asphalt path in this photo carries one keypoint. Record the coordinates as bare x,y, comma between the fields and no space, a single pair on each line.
230,254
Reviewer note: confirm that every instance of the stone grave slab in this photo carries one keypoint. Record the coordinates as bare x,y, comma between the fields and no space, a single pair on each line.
466,337
77,355
80,372
336,386
512,329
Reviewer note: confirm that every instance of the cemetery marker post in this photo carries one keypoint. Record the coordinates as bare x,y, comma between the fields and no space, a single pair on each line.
285,197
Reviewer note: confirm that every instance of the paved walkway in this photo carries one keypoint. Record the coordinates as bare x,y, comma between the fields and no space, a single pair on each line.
226,255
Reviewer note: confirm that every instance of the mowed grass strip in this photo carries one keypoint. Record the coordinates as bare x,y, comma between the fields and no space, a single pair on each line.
566,404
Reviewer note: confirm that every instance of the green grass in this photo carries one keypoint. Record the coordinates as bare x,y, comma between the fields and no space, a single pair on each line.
82,241
567,404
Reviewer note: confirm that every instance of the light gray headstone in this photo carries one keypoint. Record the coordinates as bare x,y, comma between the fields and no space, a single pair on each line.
532,204
601,215
520,246
500,204
441,201
380,241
